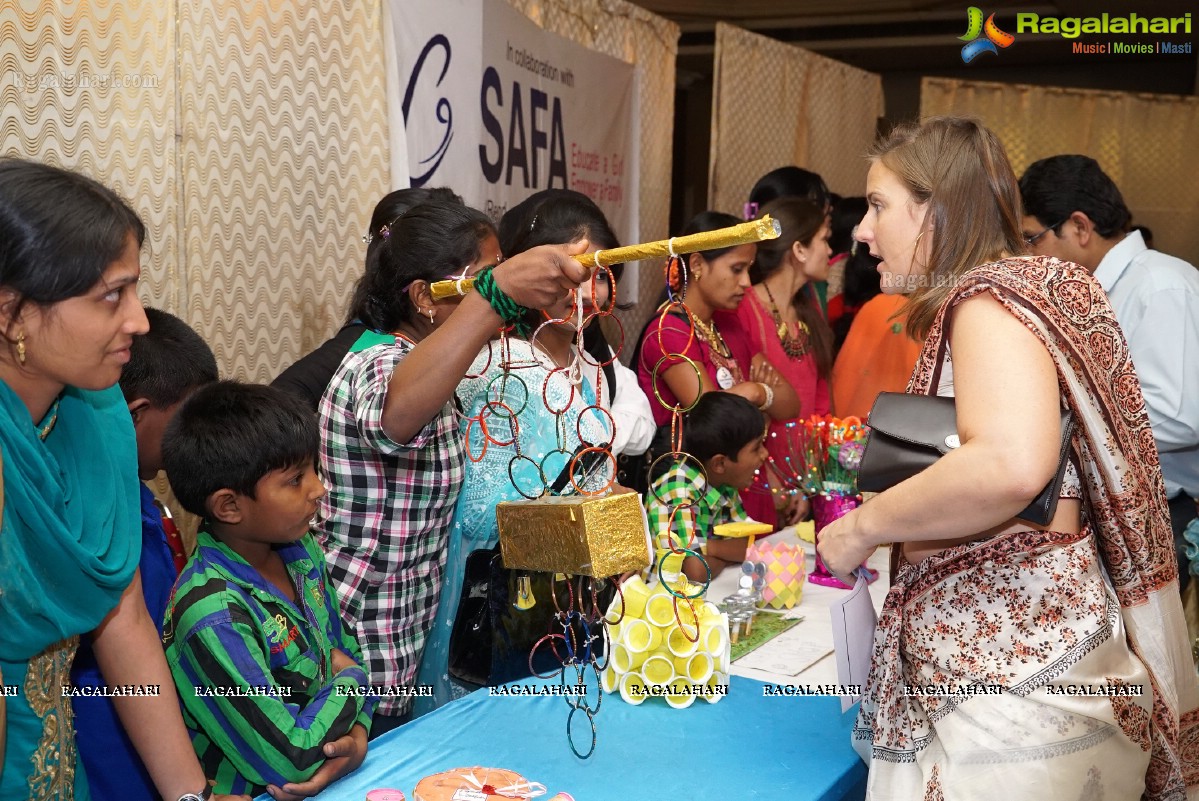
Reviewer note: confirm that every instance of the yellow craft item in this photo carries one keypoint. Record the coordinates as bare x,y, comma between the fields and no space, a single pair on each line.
659,610
575,534
632,688
744,529
741,234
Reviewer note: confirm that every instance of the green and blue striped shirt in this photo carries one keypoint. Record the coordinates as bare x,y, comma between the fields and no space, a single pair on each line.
254,670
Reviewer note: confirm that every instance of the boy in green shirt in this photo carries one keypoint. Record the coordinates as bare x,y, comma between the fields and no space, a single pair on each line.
272,686
727,435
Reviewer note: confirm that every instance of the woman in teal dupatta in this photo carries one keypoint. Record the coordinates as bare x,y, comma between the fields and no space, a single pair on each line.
70,536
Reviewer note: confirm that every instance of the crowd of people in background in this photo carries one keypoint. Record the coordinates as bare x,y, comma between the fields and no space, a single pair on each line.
340,504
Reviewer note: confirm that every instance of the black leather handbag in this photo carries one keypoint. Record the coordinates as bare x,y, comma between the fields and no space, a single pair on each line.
910,432
492,637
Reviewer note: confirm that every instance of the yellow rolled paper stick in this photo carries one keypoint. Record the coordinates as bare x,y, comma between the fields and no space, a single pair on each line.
743,234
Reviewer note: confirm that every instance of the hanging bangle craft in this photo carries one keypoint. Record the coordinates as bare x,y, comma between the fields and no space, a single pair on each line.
742,234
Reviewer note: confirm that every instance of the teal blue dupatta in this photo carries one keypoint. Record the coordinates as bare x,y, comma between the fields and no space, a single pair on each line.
69,545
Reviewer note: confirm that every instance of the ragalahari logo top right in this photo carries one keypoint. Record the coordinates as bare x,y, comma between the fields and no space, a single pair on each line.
992,36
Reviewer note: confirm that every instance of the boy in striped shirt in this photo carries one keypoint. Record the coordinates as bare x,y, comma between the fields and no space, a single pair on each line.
272,686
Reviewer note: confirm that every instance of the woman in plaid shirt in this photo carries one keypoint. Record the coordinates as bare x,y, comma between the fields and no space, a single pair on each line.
391,447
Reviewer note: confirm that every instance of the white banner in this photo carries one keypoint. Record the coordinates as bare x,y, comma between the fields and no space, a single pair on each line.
496,109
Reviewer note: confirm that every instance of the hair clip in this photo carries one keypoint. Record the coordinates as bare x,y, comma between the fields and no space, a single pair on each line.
750,211
385,231
533,222
367,238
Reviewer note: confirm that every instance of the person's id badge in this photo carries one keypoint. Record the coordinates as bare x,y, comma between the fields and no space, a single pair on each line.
724,378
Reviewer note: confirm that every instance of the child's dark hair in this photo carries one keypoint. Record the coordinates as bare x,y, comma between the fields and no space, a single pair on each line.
721,422
167,362
230,435
428,242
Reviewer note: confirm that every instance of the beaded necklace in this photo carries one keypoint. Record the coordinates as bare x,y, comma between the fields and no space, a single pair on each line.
728,372
796,345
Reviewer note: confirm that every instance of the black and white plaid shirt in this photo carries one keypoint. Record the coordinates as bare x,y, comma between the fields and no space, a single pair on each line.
386,517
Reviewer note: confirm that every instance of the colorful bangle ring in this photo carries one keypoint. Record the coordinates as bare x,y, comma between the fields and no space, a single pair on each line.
694,614
503,378
667,308
611,426
611,476
679,359
700,592
545,387
679,456
512,476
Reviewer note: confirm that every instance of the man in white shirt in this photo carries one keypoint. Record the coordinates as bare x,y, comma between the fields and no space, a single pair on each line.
1075,212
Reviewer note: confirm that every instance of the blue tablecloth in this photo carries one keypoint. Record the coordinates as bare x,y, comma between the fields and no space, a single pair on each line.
745,747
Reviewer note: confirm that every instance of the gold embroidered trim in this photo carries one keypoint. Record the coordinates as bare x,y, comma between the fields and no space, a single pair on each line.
54,758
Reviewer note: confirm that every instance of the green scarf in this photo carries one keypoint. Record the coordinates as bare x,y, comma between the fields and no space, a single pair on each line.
71,535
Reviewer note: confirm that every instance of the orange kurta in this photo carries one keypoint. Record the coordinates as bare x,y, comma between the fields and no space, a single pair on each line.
878,356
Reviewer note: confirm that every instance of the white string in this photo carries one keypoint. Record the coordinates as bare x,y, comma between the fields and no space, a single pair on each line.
670,247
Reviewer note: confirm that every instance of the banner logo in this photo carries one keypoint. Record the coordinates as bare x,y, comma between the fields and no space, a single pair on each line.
445,113
993,37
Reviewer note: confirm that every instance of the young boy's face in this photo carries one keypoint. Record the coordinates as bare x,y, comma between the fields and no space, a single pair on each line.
739,472
284,504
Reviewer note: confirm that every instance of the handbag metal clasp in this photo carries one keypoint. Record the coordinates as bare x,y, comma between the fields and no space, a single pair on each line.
524,594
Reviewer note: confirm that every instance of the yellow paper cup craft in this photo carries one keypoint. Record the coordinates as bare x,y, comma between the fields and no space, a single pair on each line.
632,688
640,637
658,669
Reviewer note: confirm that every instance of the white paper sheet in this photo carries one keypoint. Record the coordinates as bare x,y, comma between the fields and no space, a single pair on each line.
854,620
785,655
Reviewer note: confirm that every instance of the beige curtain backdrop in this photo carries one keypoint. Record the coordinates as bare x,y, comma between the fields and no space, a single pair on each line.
776,104
1146,143
91,86
252,138
650,42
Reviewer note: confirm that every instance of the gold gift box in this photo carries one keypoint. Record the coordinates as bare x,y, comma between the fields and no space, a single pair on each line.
575,534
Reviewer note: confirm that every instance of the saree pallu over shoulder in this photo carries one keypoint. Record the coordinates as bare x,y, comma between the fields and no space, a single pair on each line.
71,531
1124,495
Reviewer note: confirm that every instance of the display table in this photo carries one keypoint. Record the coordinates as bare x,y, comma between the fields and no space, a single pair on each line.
746,746
816,628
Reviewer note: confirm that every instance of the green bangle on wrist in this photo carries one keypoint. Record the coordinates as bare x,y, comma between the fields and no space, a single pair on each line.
511,312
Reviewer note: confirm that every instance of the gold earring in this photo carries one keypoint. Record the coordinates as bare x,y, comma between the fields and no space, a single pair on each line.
21,347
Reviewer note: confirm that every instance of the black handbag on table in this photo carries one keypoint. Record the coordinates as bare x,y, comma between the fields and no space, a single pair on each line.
908,433
492,638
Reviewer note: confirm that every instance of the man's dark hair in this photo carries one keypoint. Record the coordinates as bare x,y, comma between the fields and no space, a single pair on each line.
230,435
721,422
1054,188
167,362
